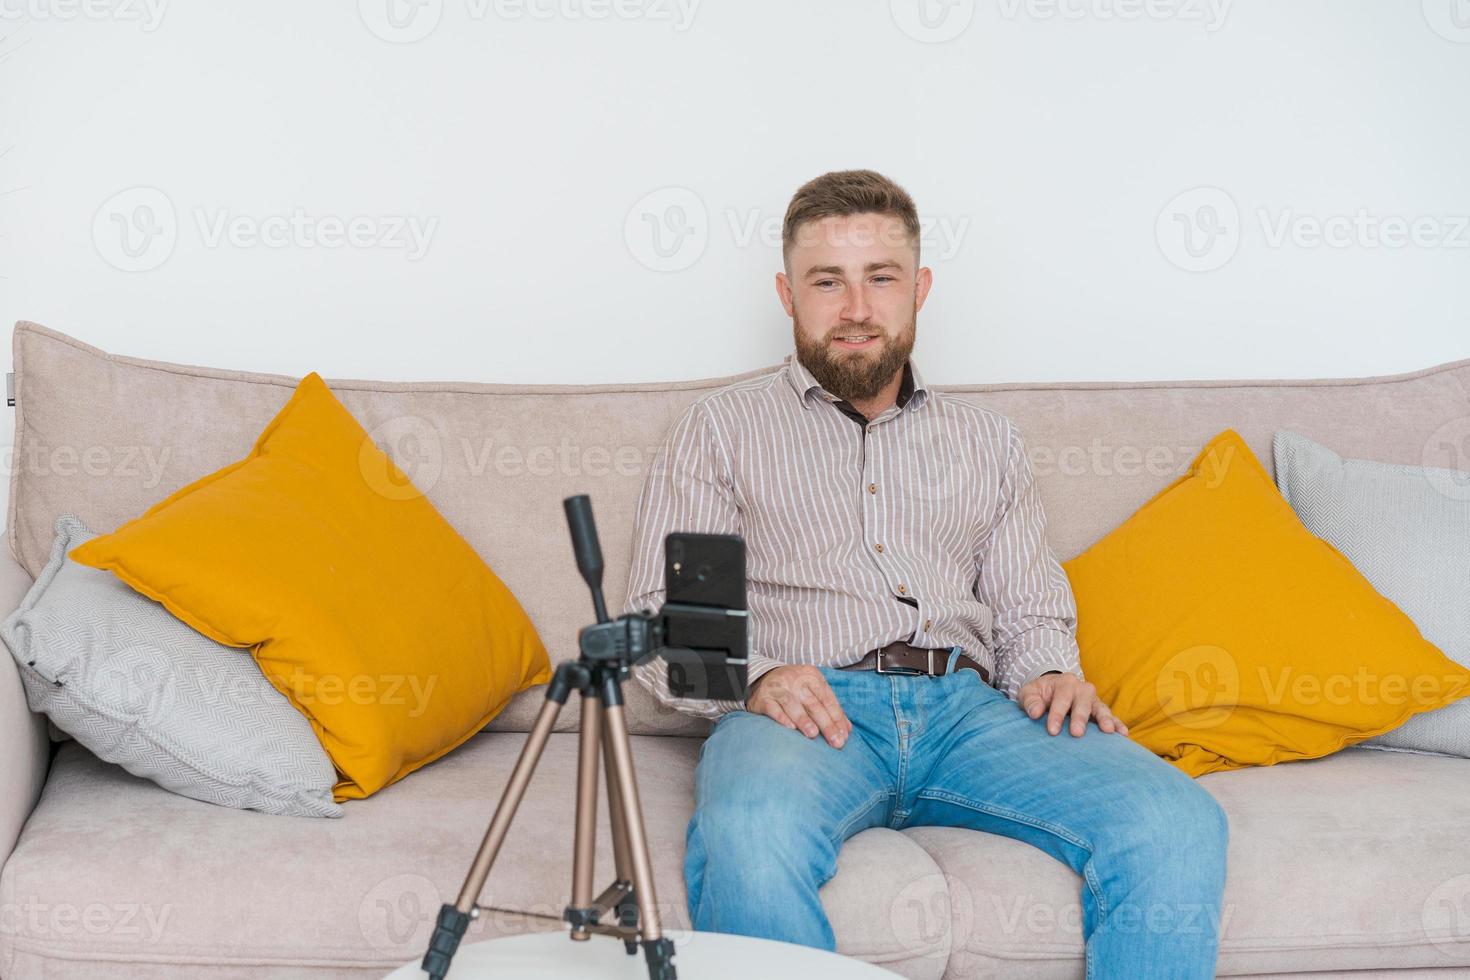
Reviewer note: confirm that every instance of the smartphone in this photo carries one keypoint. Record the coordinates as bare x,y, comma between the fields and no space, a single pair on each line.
704,615
705,570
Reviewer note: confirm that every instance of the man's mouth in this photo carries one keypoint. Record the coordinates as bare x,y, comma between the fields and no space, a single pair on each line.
856,341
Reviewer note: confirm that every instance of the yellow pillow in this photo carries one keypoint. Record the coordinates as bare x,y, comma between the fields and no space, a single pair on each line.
1226,635
358,600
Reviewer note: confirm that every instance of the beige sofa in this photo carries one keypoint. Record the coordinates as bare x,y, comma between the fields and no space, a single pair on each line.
1359,861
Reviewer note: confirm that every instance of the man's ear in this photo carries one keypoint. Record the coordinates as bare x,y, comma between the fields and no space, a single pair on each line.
922,281
783,291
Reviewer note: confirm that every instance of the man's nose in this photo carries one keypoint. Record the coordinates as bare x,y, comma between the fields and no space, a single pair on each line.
857,307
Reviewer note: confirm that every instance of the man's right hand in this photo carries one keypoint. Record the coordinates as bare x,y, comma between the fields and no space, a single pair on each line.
799,697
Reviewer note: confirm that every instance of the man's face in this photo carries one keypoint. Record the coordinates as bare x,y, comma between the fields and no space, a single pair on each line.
853,292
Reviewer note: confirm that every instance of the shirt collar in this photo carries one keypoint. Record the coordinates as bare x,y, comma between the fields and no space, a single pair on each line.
912,392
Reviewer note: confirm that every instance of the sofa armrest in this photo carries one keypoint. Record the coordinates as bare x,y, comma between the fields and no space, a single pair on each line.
25,750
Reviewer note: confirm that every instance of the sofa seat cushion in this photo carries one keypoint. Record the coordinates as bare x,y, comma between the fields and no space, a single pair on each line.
1355,861
114,877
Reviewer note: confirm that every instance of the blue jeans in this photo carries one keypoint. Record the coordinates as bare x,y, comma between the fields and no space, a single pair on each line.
772,808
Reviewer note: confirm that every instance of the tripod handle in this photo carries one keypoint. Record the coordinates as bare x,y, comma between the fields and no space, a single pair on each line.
587,549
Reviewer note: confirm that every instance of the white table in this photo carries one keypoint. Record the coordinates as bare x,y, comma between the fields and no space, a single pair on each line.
697,956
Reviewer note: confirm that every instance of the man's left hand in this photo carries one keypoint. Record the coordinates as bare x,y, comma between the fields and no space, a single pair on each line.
1064,693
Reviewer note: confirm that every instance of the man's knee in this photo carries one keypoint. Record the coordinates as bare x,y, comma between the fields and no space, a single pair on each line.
1206,828
760,813
1182,828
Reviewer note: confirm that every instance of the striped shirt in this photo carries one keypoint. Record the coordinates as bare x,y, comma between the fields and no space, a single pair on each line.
921,524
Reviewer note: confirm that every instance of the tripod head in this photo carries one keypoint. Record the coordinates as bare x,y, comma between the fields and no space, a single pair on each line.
630,637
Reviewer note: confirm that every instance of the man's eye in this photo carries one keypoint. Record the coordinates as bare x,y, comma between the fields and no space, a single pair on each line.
884,279
824,283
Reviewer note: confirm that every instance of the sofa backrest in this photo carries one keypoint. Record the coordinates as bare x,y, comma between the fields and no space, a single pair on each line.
105,436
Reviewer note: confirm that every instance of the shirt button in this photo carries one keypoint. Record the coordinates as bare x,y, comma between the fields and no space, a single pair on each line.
926,625
902,590
872,488
878,548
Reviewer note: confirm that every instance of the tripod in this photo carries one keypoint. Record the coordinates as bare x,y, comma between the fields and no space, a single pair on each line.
606,652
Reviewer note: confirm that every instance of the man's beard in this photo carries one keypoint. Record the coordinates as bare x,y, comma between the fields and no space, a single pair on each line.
853,375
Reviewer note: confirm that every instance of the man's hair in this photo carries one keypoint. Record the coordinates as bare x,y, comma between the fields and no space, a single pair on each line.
847,192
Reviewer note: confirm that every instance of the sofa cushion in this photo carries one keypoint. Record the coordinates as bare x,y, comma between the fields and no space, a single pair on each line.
1099,450
1407,529
1356,861
139,687
1224,634
360,603
231,893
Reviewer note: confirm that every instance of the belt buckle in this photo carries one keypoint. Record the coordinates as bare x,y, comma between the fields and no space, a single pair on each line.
907,671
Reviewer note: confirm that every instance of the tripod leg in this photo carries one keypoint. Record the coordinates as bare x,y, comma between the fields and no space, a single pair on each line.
658,950
454,919
627,909
520,777
615,805
584,847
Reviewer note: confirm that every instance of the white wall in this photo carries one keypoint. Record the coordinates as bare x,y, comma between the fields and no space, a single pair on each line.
535,143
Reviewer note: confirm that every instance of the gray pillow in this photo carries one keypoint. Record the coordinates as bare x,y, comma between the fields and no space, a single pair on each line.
142,689
1407,529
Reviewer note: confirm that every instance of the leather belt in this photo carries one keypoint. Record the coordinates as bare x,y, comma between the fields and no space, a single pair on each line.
899,657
